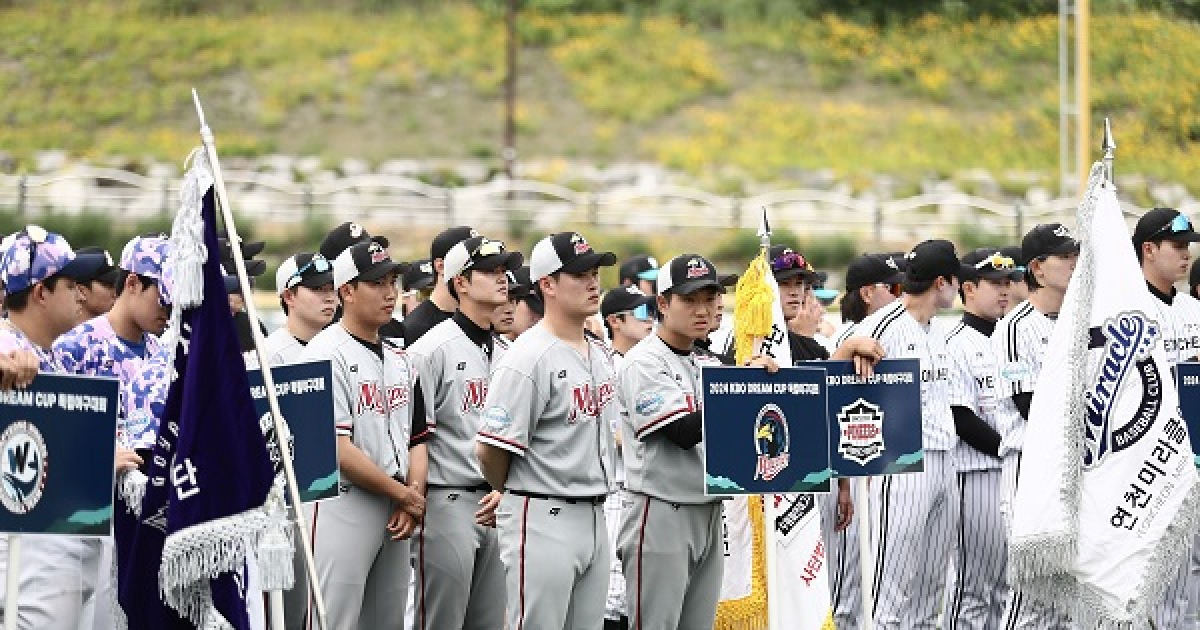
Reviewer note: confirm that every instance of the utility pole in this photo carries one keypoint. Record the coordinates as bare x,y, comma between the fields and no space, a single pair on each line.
509,153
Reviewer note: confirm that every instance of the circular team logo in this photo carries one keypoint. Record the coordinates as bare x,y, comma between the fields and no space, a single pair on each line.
24,463
770,442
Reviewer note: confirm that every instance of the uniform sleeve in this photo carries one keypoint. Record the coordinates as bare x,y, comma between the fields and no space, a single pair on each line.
511,410
421,431
1016,373
69,353
429,378
962,388
652,397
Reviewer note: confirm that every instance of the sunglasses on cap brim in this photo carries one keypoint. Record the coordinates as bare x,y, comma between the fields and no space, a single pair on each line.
319,264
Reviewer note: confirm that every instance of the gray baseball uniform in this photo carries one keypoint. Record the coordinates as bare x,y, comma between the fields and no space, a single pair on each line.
671,540
551,408
1020,342
459,578
913,534
364,574
282,348
977,588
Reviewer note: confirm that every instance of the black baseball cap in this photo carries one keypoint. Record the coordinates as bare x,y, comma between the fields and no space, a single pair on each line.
254,267
687,273
870,269
519,284
1166,224
566,251
991,264
623,299
479,252
419,275
364,261
933,259
1047,239
99,265
449,238
345,235
787,263
640,267
304,269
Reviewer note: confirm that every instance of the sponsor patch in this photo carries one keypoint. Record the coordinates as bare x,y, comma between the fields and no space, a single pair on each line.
496,418
648,403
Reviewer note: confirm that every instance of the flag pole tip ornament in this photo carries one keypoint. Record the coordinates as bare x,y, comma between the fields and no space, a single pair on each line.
1108,146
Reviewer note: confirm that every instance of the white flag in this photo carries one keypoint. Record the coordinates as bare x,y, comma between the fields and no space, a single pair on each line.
800,579
1106,504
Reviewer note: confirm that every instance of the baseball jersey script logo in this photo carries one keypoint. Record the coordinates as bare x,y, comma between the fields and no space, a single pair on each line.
474,393
861,431
381,400
771,442
590,401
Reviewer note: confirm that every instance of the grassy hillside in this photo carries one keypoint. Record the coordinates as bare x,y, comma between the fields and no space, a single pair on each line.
747,101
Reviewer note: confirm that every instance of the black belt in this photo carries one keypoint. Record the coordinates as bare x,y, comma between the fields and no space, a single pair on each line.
483,487
594,500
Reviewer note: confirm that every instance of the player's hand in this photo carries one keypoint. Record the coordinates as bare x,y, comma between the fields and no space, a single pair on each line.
763,361
401,524
126,460
17,369
486,515
845,507
411,501
867,352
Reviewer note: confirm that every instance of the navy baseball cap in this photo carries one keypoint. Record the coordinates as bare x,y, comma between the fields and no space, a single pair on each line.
566,251
788,263
687,273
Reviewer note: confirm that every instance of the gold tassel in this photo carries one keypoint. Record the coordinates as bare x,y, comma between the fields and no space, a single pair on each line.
750,612
753,308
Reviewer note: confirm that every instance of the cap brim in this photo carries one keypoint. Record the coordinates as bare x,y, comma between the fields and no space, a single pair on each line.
424,282
642,300
509,261
83,267
1184,237
699,284
1069,247
589,261
381,270
317,280
810,276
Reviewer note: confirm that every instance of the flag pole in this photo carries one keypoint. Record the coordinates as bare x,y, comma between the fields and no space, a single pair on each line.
210,146
769,533
12,582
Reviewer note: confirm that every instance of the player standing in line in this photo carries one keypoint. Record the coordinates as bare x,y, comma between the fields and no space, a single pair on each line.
528,308
456,556
1160,240
547,440
100,287
1019,342
1020,289
304,283
913,534
670,534
360,539
418,284
627,320
977,587
872,282
441,304
640,271
58,574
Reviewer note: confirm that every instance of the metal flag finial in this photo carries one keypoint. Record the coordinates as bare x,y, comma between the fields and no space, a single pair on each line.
764,231
1108,146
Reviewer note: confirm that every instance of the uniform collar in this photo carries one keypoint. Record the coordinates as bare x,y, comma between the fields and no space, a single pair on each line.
1165,298
477,335
984,326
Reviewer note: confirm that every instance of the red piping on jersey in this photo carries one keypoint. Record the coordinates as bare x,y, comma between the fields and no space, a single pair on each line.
313,538
412,441
524,521
640,576
670,415
500,439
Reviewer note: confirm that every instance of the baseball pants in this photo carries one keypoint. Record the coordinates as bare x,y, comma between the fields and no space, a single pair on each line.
978,589
57,575
673,556
1177,610
555,554
1022,611
363,572
296,600
459,577
914,536
614,604
842,557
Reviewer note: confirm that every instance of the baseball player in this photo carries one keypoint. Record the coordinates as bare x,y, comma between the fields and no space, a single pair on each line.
304,283
418,284
528,309
360,539
99,289
1160,240
1019,342
628,319
640,271
58,574
440,305
977,588
547,441
670,541
872,282
1020,290
456,556
504,318
913,535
